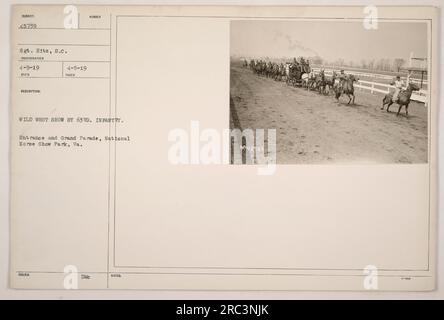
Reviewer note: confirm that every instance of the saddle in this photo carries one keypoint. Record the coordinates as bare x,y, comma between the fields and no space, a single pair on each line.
399,95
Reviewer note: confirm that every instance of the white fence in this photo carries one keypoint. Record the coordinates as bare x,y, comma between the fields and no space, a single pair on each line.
373,87
384,88
373,75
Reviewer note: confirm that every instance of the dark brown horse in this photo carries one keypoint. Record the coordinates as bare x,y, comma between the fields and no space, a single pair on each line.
347,89
403,99
294,74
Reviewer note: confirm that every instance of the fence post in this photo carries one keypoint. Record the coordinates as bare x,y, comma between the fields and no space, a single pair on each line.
373,87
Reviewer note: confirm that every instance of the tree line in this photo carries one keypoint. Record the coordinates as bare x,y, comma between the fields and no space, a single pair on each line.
382,64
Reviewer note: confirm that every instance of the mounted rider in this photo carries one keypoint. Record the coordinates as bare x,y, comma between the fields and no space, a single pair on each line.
302,61
307,65
342,77
399,84
312,74
294,64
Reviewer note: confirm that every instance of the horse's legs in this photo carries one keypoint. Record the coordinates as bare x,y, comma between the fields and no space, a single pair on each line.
353,101
399,109
349,99
388,106
407,110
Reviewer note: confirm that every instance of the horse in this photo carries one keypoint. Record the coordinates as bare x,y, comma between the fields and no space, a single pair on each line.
305,77
252,65
282,72
261,68
269,69
347,88
330,82
294,74
320,82
403,99
276,73
310,80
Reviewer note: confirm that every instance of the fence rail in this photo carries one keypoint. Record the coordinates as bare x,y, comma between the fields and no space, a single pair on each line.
374,75
384,88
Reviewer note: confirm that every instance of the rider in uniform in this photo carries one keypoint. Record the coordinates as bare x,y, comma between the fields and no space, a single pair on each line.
312,74
342,77
398,83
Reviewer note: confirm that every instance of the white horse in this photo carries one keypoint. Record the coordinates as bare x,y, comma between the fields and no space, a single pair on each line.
305,78
308,79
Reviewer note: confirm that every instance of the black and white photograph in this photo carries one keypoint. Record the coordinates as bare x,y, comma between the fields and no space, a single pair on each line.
250,151
334,91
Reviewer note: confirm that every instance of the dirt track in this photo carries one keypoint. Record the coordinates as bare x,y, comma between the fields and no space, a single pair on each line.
312,128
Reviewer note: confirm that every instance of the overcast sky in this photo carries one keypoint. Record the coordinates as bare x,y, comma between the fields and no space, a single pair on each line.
329,39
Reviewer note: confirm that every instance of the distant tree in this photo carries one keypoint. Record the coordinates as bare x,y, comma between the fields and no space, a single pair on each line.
383,65
379,64
364,64
387,64
397,64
